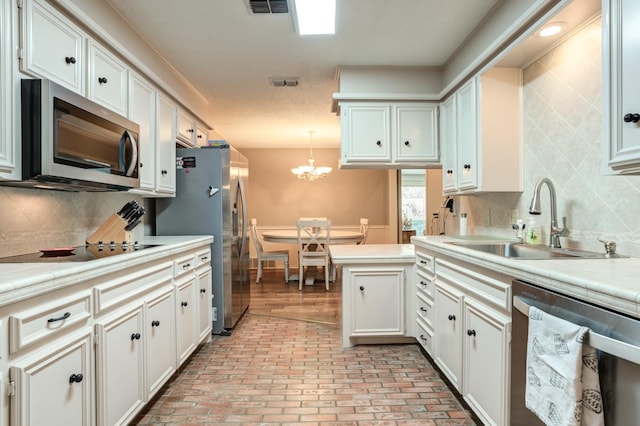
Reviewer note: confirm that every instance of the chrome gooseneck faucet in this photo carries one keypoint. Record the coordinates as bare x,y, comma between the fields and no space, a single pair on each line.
554,231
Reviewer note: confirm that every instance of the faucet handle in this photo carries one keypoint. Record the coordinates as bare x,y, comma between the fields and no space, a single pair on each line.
565,229
609,247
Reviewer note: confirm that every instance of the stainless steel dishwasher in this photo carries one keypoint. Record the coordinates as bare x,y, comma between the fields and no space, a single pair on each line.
616,337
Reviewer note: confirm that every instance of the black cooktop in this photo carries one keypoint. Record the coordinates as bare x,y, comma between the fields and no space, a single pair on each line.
76,254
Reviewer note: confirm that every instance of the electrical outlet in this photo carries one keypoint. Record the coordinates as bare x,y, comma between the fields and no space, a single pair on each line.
214,314
514,215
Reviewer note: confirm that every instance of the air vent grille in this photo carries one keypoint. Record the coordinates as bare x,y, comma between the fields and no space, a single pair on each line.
269,6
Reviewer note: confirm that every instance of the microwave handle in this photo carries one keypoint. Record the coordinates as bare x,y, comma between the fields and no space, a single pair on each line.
127,136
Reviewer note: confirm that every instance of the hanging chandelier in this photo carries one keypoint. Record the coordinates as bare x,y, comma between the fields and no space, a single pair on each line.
311,172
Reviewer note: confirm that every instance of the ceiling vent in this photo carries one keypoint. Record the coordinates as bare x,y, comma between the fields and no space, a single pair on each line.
285,82
268,6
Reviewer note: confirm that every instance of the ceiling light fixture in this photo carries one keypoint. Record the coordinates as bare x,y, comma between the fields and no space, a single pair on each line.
551,29
311,172
314,17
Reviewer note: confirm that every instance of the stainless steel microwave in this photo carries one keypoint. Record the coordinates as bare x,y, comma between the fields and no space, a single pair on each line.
72,143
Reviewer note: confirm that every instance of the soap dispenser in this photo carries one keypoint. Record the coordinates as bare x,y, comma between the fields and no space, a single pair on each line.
533,232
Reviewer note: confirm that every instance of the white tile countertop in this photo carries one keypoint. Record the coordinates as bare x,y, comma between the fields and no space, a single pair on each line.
344,254
21,280
613,283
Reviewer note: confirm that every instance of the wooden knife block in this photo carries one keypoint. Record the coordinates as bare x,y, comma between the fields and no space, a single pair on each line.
111,230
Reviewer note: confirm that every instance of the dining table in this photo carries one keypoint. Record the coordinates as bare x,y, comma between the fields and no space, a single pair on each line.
290,236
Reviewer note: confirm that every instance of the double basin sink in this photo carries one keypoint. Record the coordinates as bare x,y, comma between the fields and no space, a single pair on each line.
514,250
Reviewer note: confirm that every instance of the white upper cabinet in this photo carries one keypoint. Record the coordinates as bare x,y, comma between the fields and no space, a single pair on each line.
165,161
416,133
107,82
621,88
52,46
189,132
9,164
142,110
389,135
481,134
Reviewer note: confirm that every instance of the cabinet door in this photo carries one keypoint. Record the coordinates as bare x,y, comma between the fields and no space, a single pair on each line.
448,332
467,139
621,51
366,135
165,145
142,110
107,79
448,144
486,362
204,304
378,300
56,387
120,368
416,133
186,318
185,128
160,333
8,91
202,136
53,47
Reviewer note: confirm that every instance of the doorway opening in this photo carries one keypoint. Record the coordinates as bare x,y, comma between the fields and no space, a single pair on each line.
419,192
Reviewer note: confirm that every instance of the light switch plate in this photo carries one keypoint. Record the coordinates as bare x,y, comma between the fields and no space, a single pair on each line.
514,215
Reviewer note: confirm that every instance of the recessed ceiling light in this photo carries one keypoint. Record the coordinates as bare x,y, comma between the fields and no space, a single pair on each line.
315,17
551,29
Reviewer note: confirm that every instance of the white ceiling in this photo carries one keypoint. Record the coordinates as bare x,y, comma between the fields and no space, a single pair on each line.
230,54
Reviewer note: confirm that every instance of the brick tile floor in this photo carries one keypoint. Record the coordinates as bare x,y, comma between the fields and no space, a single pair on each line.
274,371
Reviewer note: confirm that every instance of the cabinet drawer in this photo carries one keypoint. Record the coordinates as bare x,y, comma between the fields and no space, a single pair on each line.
424,309
482,284
425,262
42,321
184,264
203,258
425,336
115,292
425,284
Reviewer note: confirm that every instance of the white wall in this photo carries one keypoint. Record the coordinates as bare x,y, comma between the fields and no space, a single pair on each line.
562,141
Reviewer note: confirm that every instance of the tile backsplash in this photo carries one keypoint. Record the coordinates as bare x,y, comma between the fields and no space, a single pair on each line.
32,219
562,131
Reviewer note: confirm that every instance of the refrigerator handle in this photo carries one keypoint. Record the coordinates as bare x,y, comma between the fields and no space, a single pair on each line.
243,203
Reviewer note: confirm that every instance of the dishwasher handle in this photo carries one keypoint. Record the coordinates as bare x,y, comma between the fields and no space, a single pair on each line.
606,344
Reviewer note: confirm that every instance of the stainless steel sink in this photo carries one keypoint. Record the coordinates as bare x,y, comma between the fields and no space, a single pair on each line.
529,252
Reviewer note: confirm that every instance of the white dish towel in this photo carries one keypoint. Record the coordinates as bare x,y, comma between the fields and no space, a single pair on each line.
562,386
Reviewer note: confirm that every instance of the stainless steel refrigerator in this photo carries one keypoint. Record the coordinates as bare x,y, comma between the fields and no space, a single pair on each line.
211,199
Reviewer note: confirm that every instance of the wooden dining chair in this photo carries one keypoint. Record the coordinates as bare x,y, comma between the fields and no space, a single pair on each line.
364,229
313,247
265,256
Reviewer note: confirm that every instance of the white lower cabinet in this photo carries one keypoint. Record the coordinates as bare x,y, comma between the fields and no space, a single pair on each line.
204,302
486,350
186,317
160,333
448,337
55,387
378,303
471,333
120,367
97,352
375,303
